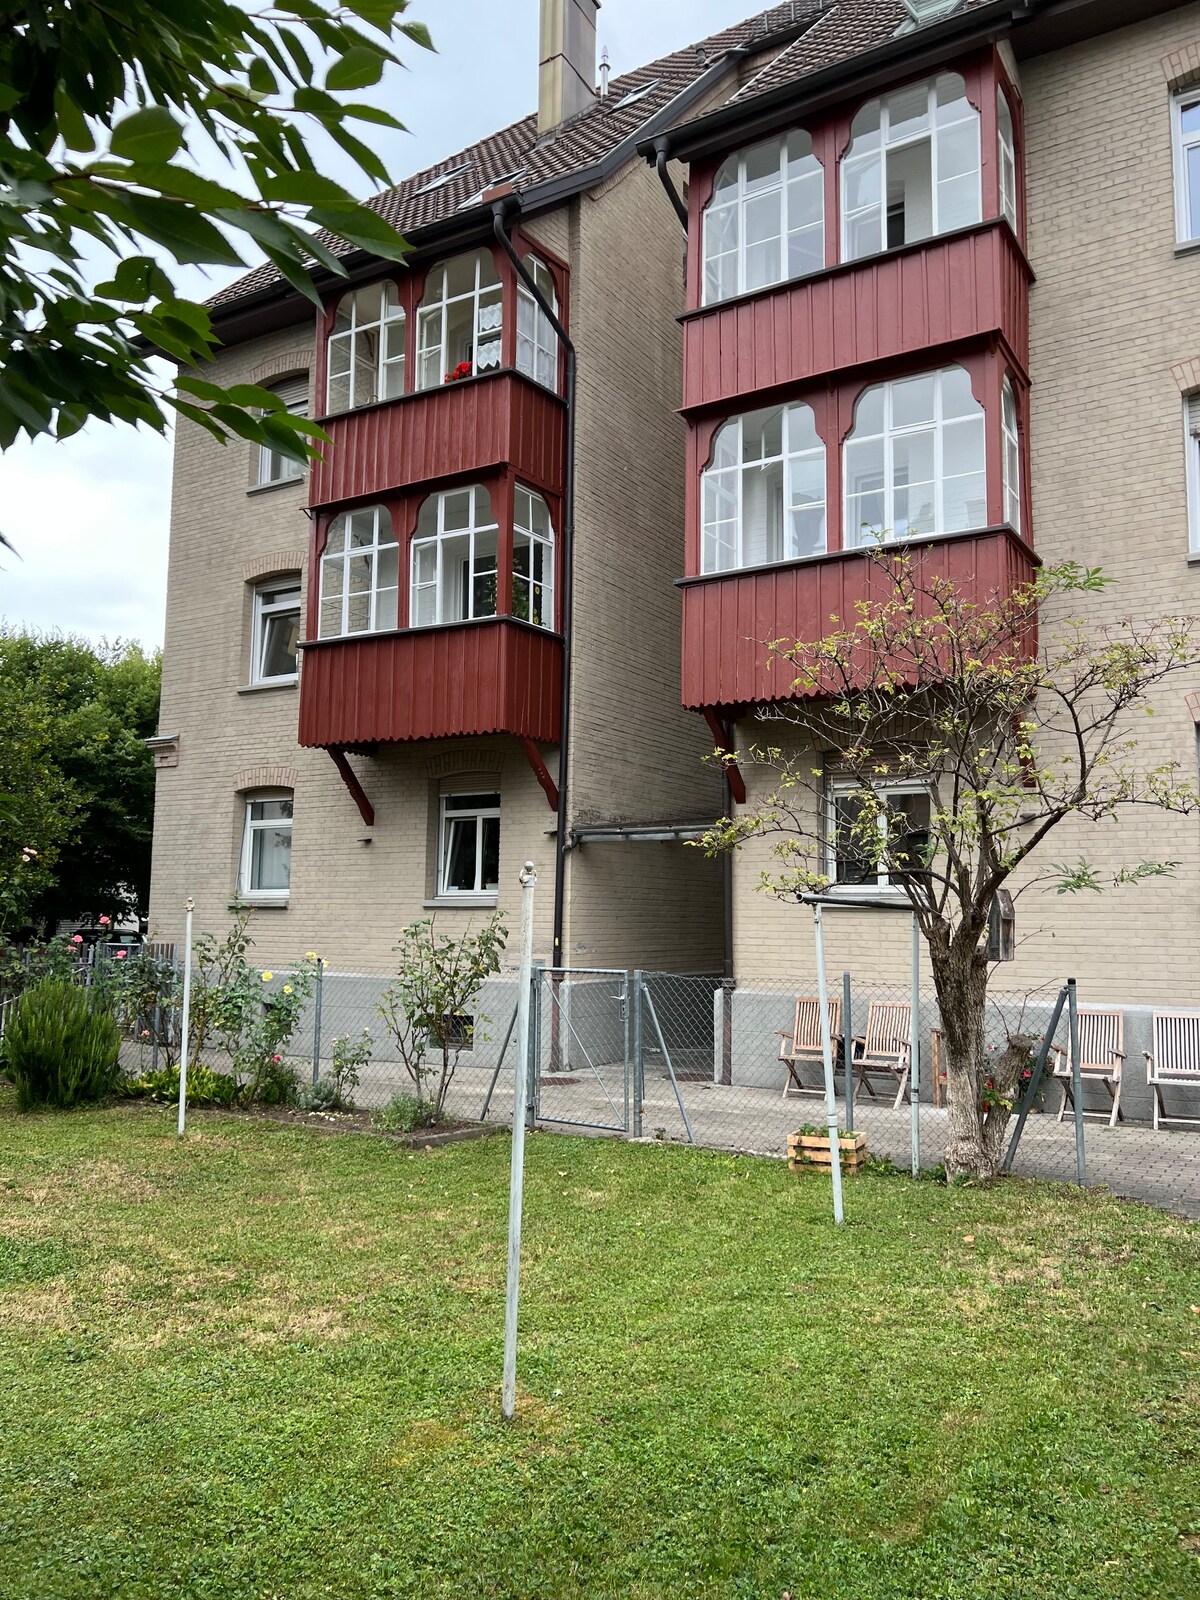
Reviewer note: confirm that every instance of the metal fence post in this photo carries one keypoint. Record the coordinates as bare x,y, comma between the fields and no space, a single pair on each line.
848,1050
625,1019
533,1047
318,993
637,1055
516,1190
831,1115
187,1015
914,1048
1076,1082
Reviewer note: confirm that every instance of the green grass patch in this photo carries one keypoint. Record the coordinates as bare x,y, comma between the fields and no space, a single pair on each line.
264,1364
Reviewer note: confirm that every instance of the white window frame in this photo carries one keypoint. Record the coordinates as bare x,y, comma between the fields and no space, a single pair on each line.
1010,442
523,530
537,342
1007,143
479,813
1191,442
438,541
252,825
841,789
738,472
273,466
742,198
264,611
433,316
1183,101
383,538
387,370
932,133
853,536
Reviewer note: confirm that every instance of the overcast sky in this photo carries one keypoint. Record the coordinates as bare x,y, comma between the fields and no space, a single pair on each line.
90,516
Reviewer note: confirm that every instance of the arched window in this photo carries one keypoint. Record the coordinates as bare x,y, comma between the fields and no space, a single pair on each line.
1012,456
766,219
366,348
533,560
912,169
916,460
459,320
764,491
454,558
360,574
1008,159
537,343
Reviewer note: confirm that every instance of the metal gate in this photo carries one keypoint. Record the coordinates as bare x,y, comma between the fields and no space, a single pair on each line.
581,1048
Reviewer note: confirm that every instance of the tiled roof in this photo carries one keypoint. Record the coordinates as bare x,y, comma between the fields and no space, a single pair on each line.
421,201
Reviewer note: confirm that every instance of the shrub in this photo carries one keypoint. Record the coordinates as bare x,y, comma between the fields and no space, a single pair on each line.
404,1113
61,1047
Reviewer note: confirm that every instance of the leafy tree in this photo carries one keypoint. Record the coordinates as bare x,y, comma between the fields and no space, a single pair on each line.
99,105
1010,738
89,711
38,810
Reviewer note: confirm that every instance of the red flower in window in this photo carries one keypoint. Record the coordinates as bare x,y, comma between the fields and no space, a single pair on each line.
462,370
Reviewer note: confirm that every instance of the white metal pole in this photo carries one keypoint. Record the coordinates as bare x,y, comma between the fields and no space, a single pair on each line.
831,1114
187,1015
517,1180
914,1048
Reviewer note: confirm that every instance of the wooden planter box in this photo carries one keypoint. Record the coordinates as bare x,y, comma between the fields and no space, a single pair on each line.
812,1150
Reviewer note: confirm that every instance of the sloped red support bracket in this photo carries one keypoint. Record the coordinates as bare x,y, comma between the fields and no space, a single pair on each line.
737,784
534,756
365,809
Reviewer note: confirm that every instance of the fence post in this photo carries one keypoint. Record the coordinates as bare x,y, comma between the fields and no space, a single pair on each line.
914,1048
187,1015
831,1114
516,1188
1076,1082
728,985
533,1048
637,1055
317,998
848,1050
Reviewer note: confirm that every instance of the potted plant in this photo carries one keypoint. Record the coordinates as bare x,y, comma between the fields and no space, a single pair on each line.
811,1147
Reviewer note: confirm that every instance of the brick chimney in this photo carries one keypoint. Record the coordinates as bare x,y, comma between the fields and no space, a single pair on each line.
567,64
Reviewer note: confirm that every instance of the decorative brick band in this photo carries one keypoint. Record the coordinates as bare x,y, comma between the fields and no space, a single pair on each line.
1182,66
1187,375
272,566
452,762
264,778
292,364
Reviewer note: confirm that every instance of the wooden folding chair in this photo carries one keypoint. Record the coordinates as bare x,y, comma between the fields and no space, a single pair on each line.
885,1046
803,1045
1175,1060
1101,1051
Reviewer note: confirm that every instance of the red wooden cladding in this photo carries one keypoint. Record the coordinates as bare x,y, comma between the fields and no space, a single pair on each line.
729,620
494,676
480,424
942,291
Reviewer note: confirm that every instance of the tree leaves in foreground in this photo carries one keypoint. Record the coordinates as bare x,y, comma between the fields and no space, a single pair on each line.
1009,737
96,103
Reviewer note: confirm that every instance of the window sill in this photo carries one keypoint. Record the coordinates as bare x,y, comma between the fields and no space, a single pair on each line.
1193,559
1188,247
265,688
283,483
244,904
462,902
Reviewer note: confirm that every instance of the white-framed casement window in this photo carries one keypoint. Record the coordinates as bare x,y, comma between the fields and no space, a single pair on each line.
273,465
916,460
1185,119
899,815
533,560
763,492
276,632
1011,455
468,845
454,556
765,222
1007,138
537,342
460,319
912,169
360,575
266,865
366,348
1191,439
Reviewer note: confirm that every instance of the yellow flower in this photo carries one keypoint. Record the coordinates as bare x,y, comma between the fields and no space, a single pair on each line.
310,955
287,988
267,976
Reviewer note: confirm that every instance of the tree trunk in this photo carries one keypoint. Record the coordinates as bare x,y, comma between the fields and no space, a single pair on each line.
1004,1094
960,978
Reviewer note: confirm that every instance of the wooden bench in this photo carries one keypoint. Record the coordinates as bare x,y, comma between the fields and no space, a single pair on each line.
884,1047
1175,1060
1101,1055
803,1045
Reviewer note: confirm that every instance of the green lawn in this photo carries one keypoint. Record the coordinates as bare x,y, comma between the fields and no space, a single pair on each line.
266,1363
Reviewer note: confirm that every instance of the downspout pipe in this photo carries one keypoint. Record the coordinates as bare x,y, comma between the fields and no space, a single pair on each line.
566,587
660,165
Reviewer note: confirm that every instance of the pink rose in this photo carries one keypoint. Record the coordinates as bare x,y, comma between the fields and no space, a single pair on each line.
276,1059
76,938
105,921
121,954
